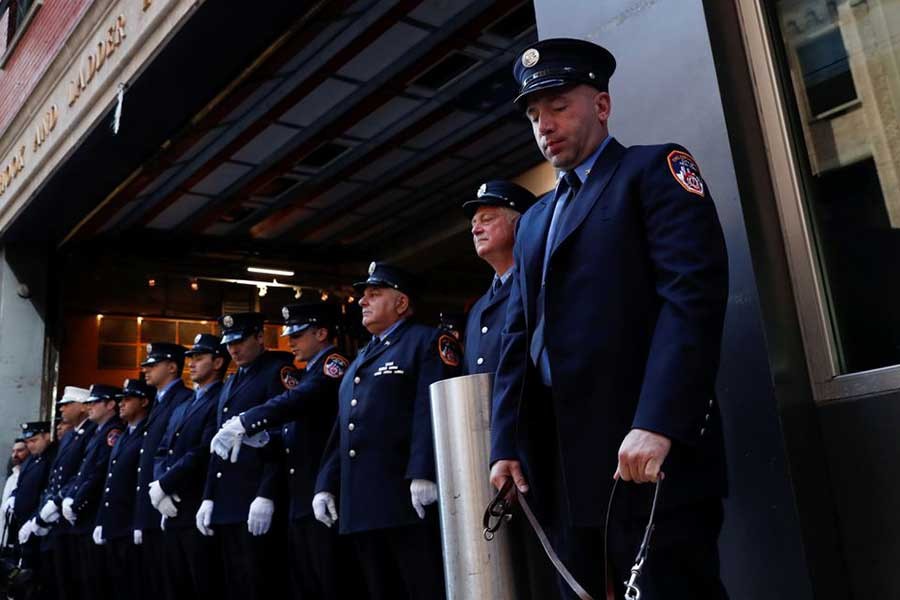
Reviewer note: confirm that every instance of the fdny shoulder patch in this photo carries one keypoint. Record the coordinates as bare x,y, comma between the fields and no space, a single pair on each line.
449,350
290,377
334,366
112,437
686,172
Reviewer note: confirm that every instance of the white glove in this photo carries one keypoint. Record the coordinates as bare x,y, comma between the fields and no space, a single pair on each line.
9,504
260,517
50,512
67,511
422,493
167,506
26,531
38,530
138,537
162,523
156,494
227,440
324,508
98,535
204,517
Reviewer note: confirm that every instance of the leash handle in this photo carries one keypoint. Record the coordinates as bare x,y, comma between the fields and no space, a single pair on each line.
497,512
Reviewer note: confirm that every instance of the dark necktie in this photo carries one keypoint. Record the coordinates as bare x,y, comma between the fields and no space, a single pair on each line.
495,286
370,346
538,350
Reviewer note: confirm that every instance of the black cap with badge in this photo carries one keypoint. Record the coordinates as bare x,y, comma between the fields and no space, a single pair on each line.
33,428
207,343
558,62
158,352
500,193
237,326
299,317
138,388
100,392
385,275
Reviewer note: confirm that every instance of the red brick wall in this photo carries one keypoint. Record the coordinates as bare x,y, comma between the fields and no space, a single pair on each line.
42,41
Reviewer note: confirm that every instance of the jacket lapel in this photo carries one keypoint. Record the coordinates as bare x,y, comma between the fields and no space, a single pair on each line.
535,239
600,174
384,345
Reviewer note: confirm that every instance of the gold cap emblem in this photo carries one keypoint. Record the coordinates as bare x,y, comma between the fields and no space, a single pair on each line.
285,313
530,58
227,321
149,348
371,267
198,338
482,190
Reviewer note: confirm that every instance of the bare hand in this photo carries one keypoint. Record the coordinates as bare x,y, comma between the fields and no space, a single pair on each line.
508,469
641,456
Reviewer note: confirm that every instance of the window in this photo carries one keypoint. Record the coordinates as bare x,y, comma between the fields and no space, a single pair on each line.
830,111
15,16
122,341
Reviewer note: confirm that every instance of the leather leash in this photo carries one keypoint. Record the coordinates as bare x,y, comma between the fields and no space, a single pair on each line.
499,512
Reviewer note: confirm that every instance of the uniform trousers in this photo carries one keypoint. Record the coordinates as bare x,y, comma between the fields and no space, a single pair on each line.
192,560
254,566
124,567
402,562
152,554
320,569
44,575
92,578
65,564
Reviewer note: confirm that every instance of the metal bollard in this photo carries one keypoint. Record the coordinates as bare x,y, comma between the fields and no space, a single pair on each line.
474,568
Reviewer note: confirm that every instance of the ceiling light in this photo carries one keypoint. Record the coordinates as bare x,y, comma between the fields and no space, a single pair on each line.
263,290
151,282
264,271
297,293
324,296
195,285
350,299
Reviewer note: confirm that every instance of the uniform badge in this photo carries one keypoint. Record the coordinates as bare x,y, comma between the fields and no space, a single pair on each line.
371,267
198,338
112,437
285,313
686,172
449,350
149,350
530,58
482,190
227,321
335,365
290,378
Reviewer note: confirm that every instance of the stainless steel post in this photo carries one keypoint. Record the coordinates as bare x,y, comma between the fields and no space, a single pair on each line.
474,568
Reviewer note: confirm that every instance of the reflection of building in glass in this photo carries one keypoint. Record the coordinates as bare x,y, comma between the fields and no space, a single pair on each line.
844,57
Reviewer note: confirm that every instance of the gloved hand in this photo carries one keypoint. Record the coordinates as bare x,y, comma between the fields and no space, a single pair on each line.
156,494
26,531
162,523
67,511
9,504
227,440
167,506
204,517
422,493
260,517
138,537
98,535
324,508
50,512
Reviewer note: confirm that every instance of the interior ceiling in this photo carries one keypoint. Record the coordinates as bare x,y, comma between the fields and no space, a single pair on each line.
356,135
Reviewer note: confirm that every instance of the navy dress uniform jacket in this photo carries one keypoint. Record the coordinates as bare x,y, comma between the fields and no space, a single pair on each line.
233,486
116,511
383,438
184,454
64,469
32,480
636,289
306,415
145,516
87,487
483,327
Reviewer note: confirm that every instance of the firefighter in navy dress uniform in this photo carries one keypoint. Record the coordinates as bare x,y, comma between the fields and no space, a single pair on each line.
64,547
380,456
32,481
162,370
192,560
493,214
82,495
612,337
306,416
240,498
115,516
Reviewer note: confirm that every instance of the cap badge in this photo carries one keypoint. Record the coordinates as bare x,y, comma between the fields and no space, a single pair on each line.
285,313
149,348
482,190
371,267
530,58
197,338
227,321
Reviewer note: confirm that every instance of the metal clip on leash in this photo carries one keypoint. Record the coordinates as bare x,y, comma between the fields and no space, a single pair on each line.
498,509
632,591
